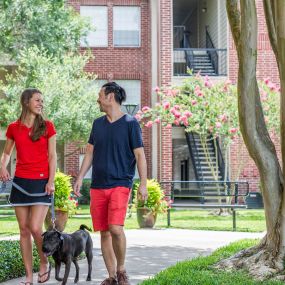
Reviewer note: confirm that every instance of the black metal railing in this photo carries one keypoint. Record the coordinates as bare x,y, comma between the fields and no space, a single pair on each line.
219,189
183,59
213,54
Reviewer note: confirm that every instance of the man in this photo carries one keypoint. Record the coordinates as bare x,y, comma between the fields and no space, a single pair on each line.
114,147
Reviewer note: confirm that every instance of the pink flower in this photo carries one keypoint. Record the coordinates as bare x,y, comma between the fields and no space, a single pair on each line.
176,122
138,117
223,118
145,109
139,112
156,89
266,80
149,124
166,105
188,114
168,126
272,86
233,130
218,125
157,120
197,88
200,94
193,102
177,114
177,107
208,84
174,92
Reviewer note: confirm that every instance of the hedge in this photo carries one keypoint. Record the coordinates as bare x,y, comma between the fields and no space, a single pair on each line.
11,264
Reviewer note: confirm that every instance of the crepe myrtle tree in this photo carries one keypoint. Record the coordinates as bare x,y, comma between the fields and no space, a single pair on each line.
209,110
265,260
69,93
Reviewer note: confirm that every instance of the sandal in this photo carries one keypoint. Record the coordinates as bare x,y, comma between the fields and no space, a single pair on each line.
26,283
42,275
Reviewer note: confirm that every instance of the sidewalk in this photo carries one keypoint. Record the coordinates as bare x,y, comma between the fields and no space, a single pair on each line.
150,251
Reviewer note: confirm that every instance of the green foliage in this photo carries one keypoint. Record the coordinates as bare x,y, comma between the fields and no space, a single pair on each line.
199,271
50,25
11,264
85,192
156,198
69,93
62,198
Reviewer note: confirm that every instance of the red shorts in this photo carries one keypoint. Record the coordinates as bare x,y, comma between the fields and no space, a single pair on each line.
108,207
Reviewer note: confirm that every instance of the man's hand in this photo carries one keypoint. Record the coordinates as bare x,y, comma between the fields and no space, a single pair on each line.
77,187
142,193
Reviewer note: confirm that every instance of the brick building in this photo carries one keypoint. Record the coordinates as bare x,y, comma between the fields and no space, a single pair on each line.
146,43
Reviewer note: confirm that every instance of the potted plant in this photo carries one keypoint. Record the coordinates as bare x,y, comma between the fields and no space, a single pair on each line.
156,203
64,204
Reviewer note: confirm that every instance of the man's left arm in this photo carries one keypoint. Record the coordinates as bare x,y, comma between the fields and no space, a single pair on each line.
142,168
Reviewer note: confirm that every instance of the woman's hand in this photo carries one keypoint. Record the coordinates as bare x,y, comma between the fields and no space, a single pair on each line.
4,174
50,187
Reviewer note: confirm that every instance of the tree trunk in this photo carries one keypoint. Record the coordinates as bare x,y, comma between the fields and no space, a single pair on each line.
265,259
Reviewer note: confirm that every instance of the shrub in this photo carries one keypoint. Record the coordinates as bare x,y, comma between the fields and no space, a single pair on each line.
62,195
85,192
156,198
11,265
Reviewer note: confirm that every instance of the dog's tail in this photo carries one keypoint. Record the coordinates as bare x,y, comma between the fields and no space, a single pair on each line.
83,227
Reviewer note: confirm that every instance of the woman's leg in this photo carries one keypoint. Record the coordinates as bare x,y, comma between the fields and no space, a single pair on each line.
38,214
23,217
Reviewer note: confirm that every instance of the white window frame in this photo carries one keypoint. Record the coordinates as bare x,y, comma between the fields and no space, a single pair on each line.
93,42
139,27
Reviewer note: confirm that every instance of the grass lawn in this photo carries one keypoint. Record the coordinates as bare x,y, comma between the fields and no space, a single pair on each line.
199,271
247,221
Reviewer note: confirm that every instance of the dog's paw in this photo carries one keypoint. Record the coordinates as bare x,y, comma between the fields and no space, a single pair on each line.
88,278
76,280
58,278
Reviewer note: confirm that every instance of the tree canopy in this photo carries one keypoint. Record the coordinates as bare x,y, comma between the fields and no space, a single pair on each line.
69,93
48,24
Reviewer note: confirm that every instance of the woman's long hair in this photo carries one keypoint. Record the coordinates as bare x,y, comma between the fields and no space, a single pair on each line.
39,127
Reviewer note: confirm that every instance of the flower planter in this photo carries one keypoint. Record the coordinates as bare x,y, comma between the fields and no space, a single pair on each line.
146,218
60,222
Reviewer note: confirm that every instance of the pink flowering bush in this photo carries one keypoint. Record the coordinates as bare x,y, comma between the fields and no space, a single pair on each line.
205,107
199,105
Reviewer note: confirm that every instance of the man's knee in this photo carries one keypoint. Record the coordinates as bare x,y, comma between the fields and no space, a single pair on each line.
116,231
105,235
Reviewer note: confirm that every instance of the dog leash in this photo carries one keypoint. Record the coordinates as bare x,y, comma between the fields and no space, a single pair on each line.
53,218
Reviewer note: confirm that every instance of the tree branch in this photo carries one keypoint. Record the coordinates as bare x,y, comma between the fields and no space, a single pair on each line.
268,11
234,19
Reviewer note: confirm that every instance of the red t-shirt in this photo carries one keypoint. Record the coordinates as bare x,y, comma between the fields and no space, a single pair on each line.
32,157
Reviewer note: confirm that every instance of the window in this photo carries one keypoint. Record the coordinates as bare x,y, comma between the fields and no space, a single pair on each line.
133,90
98,15
126,26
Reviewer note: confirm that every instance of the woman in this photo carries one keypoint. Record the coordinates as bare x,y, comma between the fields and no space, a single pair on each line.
34,139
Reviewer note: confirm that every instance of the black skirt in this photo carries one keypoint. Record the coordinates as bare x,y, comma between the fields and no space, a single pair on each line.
32,186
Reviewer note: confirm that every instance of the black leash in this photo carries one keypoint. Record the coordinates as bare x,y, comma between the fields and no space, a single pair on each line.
53,218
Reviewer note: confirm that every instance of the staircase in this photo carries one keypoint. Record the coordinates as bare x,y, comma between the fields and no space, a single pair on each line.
202,62
202,172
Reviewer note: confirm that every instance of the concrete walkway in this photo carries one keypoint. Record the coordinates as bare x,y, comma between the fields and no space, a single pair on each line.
150,251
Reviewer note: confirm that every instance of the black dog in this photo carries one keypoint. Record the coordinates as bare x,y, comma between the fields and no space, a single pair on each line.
66,248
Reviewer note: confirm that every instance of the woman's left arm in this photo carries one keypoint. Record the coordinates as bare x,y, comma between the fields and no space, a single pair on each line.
52,158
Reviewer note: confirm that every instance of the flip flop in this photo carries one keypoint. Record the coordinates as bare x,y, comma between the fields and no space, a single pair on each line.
42,275
26,283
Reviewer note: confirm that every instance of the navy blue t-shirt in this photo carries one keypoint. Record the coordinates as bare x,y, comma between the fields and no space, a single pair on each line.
113,157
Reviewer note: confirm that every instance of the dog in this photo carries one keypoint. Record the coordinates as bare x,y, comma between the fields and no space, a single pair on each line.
66,248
